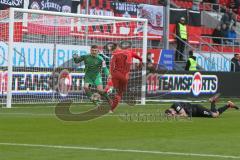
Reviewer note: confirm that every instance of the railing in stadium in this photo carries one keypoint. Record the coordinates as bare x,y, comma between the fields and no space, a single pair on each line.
198,48
227,44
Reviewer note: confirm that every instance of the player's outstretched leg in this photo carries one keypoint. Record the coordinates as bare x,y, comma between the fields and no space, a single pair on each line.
214,98
228,105
213,107
90,95
109,86
104,94
232,105
116,100
121,85
213,101
88,91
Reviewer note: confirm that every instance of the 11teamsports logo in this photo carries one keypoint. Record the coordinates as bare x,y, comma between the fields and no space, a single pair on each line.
181,84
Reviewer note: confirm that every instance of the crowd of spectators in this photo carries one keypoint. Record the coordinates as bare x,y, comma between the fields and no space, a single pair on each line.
232,4
224,5
225,33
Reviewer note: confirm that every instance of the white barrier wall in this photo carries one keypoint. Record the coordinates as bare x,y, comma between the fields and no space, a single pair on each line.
40,54
214,61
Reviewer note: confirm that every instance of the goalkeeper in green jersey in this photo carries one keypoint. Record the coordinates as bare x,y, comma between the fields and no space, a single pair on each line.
93,67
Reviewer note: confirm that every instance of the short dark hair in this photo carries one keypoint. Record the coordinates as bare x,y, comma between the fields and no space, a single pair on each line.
176,106
125,44
114,46
190,53
94,46
167,111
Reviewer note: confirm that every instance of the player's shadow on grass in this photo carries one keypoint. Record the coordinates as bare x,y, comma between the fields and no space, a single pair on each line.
62,111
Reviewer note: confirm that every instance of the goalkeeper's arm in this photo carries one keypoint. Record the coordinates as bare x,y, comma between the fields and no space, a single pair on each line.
78,59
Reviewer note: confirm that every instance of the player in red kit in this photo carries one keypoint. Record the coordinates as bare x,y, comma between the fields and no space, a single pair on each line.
120,66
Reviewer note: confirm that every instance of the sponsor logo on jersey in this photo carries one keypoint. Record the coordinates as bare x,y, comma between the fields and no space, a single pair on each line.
178,108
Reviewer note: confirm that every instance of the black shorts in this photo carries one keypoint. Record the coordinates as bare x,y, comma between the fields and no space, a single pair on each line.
200,111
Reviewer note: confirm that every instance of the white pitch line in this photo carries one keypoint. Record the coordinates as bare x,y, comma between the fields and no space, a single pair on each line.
27,114
120,150
53,114
48,115
88,105
46,106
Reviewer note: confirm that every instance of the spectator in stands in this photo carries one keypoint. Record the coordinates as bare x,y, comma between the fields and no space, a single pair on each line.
236,7
235,65
224,32
225,18
228,18
234,4
191,64
232,35
182,36
150,65
162,2
195,5
237,4
215,6
217,35
210,1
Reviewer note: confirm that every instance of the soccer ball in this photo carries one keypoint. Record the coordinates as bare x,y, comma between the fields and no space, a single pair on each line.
96,97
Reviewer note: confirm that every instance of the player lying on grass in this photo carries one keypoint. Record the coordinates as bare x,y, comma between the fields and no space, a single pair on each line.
120,67
197,110
93,66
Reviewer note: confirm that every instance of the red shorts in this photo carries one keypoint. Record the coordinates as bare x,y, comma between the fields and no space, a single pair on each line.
120,81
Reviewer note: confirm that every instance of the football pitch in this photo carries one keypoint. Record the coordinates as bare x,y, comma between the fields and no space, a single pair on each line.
33,132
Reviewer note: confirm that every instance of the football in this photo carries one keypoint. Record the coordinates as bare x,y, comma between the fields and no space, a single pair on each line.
96,97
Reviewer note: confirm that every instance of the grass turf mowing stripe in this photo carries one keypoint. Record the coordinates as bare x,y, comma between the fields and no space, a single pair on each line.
120,150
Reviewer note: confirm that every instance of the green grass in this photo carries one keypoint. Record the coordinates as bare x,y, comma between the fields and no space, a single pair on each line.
37,124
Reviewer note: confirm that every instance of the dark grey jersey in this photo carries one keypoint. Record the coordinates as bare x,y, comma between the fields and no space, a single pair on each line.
192,110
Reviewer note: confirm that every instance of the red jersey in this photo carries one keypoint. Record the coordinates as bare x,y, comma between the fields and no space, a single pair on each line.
122,59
